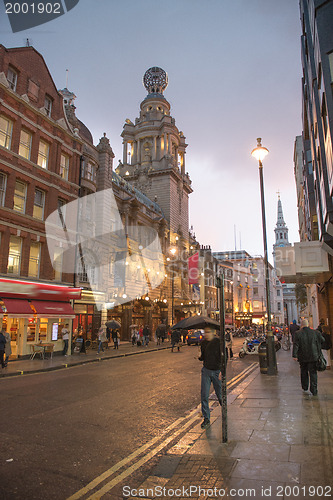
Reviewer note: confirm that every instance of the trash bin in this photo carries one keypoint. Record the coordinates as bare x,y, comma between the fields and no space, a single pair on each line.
263,357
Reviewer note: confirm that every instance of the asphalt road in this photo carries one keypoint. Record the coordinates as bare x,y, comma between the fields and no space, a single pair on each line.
60,430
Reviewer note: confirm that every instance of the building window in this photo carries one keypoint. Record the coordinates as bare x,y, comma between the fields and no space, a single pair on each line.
25,144
64,166
14,255
279,306
34,260
6,128
255,291
57,263
330,60
89,172
43,154
20,195
12,78
3,184
278,293
61,211
39,203
48,105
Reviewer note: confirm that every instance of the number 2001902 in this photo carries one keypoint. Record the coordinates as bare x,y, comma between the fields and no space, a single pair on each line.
33,8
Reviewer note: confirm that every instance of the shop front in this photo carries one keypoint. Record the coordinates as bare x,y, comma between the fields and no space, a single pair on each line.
87,316
35,313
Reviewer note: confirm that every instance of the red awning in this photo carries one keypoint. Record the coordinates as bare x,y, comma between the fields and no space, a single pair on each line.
18,308
45,309
19,289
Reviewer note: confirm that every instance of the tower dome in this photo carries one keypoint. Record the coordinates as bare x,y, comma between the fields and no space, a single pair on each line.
155,80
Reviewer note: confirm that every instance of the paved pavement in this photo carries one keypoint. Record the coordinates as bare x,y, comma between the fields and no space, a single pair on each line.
29,366
95,423
280,445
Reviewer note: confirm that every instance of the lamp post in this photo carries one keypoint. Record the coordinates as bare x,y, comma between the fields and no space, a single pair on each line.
260,153
173,252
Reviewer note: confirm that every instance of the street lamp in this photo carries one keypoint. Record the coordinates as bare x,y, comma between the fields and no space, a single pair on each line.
173,252
260,153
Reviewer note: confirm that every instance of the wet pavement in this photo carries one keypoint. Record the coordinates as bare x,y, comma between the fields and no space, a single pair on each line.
62,429
280,443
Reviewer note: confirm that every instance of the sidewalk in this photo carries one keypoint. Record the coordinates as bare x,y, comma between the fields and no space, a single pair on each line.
58,362
278,438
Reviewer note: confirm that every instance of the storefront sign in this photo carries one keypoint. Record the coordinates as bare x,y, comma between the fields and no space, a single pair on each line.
55,327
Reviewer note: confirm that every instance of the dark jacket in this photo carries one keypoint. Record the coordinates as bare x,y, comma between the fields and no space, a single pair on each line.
293,328
146,331
211,354
328,341
2,342
175,336
307,345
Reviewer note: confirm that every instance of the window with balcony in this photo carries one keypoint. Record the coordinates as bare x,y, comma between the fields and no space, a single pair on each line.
14,255
3,184
89,171
6,129
12,78
64,166
39,203
25,144
20,196
43,154
34,260
48,105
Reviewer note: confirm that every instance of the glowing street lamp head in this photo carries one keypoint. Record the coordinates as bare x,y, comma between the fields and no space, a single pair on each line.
173,250
259,152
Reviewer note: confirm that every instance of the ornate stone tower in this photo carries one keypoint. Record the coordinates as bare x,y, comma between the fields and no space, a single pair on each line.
154,155
281,230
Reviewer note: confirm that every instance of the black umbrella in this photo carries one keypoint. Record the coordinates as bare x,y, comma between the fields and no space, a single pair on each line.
113,324
196,322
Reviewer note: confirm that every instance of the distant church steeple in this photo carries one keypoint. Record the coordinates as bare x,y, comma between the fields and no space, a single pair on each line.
281,230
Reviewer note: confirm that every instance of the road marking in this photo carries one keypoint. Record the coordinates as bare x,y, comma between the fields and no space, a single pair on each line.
193,415
108,486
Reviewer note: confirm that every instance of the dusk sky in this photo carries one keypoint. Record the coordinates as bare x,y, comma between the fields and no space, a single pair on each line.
234,75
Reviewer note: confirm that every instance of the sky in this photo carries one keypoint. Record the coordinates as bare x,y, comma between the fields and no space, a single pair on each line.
234,75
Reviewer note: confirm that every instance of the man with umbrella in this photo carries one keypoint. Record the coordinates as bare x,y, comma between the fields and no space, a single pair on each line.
212,360
210,372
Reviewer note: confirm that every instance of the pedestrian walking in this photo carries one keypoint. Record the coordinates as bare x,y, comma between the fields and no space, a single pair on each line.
108,335
175,339
134,337
2,349
101,339
115,338
65,338
307,350
8,347
293,328
326,348
146,333
210,373
228,343
138,338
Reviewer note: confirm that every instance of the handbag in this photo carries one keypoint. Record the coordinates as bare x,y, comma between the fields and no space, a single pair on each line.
321,363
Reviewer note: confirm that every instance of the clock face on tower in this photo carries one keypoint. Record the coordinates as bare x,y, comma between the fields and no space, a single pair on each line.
155,80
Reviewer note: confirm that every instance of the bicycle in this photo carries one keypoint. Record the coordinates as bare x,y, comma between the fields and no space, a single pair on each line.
286,344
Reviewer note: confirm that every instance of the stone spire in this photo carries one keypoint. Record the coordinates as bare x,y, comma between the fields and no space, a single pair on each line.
281,230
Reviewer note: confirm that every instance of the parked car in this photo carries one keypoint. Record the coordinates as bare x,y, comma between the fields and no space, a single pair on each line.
194,337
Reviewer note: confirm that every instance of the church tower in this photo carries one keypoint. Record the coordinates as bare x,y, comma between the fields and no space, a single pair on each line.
282,240
281,230
154,155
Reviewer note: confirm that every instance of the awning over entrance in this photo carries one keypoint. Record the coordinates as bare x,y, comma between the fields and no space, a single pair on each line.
18,308
45,309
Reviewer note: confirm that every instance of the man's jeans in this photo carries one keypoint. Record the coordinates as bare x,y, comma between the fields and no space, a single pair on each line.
309,369
65,349
207,378
100,346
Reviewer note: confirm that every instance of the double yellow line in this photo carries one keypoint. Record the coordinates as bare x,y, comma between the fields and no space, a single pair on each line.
191,418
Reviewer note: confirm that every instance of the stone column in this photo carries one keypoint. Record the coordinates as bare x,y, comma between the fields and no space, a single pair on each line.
135,152
138,151
165,143
170,145
125,152
154,148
